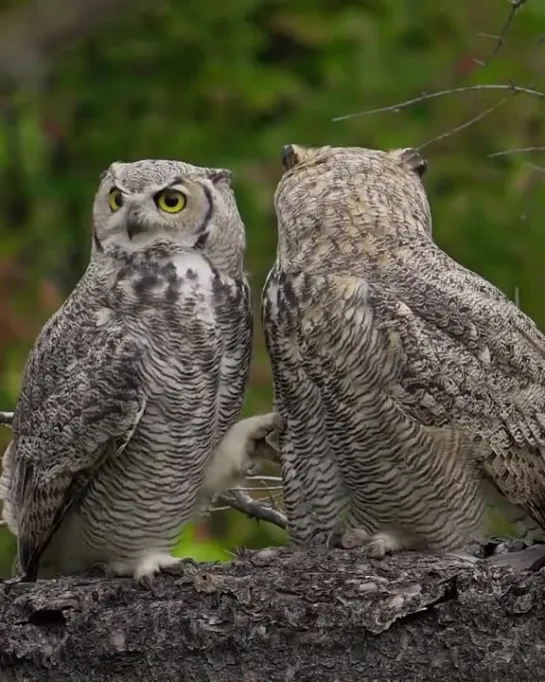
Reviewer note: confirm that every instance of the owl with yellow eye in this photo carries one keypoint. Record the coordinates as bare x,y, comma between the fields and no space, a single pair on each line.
130,397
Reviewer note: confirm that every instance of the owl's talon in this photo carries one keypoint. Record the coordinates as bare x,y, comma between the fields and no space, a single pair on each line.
10,583
353,537
376,548
145,582
185,562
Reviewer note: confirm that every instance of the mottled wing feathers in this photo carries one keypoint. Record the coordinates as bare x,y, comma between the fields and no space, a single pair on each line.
314,493
6,475
473,359
235,324
69,417
367,444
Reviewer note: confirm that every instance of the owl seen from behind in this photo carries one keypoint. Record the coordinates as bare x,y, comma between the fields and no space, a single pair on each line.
411,390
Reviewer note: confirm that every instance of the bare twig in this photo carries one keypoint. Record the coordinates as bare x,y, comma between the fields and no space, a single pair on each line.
520,150
441,93
500,39
238,499
272,497
6,418
541,169
465,125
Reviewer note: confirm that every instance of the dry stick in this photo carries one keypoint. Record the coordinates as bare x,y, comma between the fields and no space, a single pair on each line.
465,125
500,39
272,498
520,150
516,298
6,418
432,95
241,501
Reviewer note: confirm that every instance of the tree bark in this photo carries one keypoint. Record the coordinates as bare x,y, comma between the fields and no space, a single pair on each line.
279,615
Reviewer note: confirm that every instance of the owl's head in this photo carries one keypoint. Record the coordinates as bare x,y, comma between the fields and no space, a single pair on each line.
146,203
350,195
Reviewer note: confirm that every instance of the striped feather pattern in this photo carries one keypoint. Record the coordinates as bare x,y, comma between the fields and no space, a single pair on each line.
426,381
130,387
356,452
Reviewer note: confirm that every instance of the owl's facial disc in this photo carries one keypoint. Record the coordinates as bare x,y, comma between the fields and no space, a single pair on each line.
149,202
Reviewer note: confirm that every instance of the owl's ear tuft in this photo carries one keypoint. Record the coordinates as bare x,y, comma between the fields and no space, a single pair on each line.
219,175
414,160
110,170
290,156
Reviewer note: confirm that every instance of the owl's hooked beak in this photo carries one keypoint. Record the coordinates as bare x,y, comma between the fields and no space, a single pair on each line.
134,224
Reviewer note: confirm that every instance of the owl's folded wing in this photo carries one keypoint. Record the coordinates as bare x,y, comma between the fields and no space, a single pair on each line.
471,358
59,444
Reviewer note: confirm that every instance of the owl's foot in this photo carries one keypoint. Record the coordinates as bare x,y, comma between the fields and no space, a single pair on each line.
152,564
376,546
147,567
241,453
172,568
257,438
353,537
16,582
379,545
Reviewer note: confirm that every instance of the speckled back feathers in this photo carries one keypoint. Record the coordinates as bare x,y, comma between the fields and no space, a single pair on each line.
469,363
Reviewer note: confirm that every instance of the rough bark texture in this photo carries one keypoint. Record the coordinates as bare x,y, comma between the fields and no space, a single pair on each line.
277,615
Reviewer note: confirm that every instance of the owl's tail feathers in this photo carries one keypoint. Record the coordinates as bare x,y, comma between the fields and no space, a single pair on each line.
447,460
8,512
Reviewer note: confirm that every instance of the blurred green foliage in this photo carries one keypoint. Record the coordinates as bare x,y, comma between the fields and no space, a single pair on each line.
227,84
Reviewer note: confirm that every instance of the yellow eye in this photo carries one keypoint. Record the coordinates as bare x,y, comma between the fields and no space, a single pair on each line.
115,199
170,200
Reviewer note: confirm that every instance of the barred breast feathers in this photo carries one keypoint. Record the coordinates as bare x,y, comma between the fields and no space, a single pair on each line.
133,383
101,378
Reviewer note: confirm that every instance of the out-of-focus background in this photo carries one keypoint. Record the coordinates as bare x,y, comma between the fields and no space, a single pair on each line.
87,82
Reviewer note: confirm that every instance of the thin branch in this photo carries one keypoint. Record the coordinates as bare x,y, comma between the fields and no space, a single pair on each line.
6,418
271,495
500,39
541,169
492,36
241,501
441,93
520,150
465,125
516,298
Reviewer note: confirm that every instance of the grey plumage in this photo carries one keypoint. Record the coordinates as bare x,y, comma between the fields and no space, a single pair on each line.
410,388
134,382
